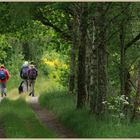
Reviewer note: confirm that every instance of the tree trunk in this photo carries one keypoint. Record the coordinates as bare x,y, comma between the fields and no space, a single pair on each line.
90,59
125,86
122,59
137,98
73,59
93,79
81,97
87,72
72,71
98,86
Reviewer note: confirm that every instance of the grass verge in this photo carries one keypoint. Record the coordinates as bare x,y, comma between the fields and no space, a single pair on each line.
85,125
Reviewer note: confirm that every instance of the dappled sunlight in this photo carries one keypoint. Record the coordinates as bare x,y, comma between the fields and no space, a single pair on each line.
42,86
13,94
55,63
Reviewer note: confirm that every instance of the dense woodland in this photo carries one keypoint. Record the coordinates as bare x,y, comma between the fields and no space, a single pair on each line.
89,48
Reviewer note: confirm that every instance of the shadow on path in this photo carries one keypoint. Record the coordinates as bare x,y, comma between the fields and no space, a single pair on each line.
49,120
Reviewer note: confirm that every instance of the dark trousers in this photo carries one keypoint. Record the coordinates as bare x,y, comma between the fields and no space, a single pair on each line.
3,89
26,82
32,86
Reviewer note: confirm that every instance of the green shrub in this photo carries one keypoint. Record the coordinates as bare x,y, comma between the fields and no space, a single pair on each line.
55,67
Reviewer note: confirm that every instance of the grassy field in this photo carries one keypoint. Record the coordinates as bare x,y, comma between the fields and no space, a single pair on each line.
84,124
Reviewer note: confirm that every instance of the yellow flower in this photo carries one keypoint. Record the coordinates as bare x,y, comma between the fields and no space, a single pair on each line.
55,63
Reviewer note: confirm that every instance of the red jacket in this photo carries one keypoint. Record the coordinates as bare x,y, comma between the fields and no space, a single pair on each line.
7,75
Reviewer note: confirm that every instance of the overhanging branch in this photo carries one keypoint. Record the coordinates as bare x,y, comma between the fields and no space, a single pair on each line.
132,42
46,22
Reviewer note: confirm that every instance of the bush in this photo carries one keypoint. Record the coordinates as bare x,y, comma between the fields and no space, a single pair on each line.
55,67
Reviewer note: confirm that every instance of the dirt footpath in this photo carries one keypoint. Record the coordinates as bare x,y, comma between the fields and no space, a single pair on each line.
2,134
49,120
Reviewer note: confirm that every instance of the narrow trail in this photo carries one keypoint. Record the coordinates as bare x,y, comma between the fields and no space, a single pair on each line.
49,120
2,134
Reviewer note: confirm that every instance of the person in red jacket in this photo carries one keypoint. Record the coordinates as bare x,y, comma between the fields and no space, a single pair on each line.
4,77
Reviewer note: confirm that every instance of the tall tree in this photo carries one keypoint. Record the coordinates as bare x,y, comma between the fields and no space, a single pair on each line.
81,91
137,97
99,79
72,76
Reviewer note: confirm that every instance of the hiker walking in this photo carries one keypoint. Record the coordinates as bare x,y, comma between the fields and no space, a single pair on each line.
24,74
32,73
4,77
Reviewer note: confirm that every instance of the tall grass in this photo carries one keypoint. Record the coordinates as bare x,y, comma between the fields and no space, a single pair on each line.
19,121
43,84
84,124
13,83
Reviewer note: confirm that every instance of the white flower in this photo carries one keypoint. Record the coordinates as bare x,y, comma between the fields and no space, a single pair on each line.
122,115
126,98
104,102
126,103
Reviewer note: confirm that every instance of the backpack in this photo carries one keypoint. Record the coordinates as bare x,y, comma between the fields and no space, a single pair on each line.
32,74
2,75
25,72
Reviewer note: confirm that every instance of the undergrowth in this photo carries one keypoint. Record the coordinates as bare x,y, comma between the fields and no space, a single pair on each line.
83,123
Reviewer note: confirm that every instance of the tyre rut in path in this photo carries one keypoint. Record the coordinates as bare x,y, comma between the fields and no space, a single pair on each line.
2,133
49,120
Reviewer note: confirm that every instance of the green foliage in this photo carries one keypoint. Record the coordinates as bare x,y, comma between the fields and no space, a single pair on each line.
12,51
14,16
11,57
4,47
127,15
34,39
14,64
55,15
30,39
55,67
